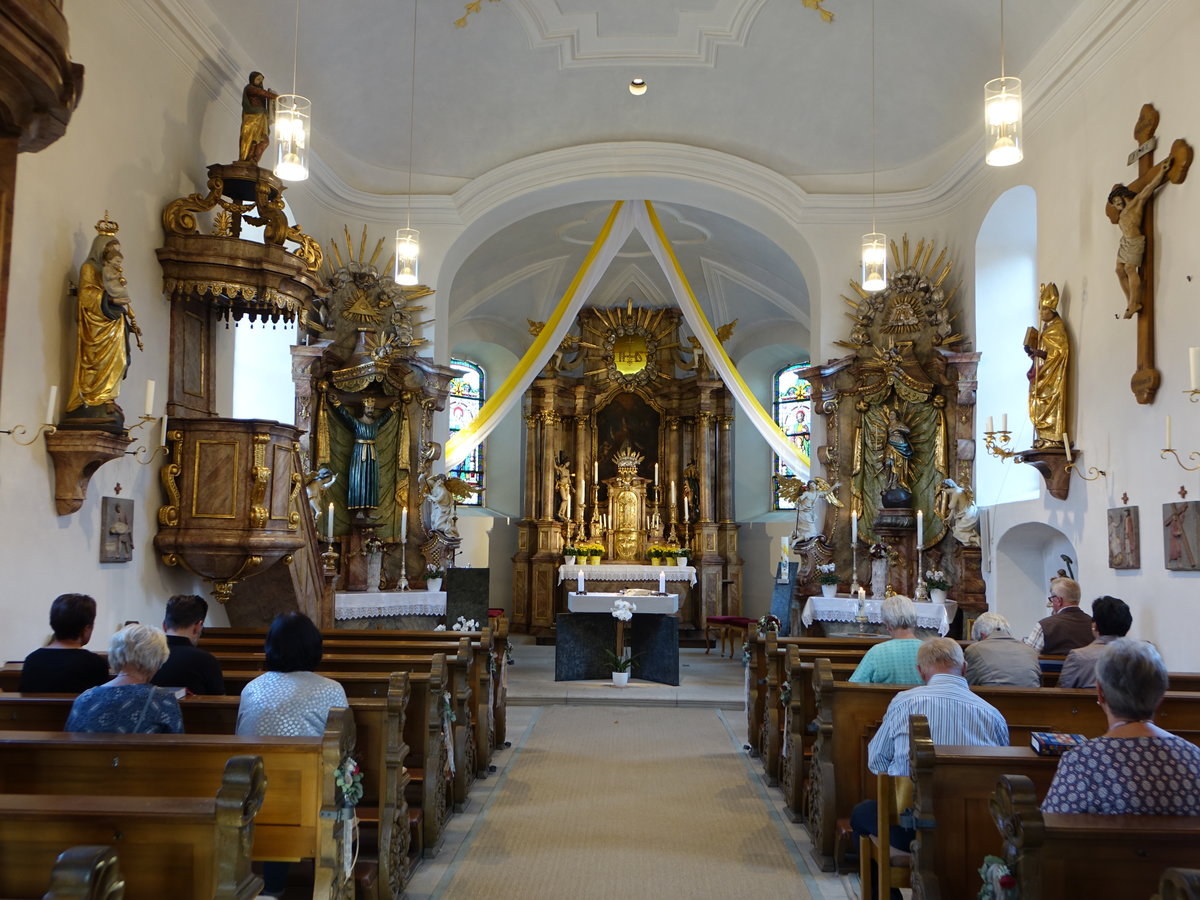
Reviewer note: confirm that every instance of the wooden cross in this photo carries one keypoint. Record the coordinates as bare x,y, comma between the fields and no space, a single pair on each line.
1131,207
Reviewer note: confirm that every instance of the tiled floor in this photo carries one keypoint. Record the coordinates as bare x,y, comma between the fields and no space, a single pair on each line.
705,680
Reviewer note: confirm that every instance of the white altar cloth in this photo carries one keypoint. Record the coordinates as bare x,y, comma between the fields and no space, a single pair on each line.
602,603
368,604
618,572
936,616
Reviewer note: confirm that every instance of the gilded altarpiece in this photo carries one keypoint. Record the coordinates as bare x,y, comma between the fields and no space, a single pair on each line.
628,444
899,424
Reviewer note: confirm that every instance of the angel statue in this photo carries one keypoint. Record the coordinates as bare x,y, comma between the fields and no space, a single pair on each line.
444,494
956,507
805,495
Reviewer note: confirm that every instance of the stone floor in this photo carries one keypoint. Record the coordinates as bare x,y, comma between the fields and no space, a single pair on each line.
706,680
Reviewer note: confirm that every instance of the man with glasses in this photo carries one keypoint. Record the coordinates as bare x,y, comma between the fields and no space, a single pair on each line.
1068,626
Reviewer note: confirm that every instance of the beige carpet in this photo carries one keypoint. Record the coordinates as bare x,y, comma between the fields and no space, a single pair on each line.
614,802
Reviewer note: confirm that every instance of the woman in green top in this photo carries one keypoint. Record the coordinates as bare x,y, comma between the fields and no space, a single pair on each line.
894,661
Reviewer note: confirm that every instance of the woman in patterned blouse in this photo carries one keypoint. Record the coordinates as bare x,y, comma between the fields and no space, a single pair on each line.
1135,767
129,704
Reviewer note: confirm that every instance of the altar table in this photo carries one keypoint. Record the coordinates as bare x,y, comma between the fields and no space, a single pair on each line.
586,637
931,617
621,572
681,580
403,610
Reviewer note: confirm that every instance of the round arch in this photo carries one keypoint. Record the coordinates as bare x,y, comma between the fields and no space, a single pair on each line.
1027,556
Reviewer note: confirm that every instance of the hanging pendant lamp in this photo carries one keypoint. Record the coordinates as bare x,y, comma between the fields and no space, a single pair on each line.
874,245
1002,114
408,243
293,124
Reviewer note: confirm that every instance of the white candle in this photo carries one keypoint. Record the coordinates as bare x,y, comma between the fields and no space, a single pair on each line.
582,491
989,429
1193,385
854,526
579,582
596,472
672,493
52,404
920,526
329,524
686,517
1194,360
150,397
662,581
568,506
162,438
1067,447
862,595
1004,422
1168,447
403,522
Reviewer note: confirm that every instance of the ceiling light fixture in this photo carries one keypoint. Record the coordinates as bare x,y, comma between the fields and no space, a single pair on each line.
637,87
1002,114
293,124
408,244
874,245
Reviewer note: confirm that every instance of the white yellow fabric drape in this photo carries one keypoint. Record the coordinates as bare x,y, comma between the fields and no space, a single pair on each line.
624,218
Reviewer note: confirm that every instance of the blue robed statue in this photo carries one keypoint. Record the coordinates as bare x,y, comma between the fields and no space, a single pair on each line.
362,475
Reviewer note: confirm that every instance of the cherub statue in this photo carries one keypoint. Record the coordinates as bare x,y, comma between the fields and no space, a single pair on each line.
805,495
568,344
315,485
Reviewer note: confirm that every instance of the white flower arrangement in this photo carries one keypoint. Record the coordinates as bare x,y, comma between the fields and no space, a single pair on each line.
935,580
827,574
465,624
440,628
623,610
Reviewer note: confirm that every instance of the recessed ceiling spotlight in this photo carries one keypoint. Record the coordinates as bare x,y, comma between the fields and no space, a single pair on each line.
637,87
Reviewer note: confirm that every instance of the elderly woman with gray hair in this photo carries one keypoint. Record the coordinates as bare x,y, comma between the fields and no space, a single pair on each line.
893,661
997,657
129,704
1134,768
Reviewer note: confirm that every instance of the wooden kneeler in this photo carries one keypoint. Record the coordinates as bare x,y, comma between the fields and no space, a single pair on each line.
893,867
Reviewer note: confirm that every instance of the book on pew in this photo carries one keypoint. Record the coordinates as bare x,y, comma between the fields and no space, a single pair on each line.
1055,743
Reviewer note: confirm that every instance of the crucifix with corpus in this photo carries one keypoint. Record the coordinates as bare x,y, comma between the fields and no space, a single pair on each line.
1130,207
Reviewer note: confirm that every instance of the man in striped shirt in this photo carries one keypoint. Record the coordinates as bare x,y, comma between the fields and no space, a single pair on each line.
956,717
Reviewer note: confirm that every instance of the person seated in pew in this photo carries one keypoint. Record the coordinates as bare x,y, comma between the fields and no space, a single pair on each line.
997,657
1067,626
129,703
1134,768
893,661
288,700
188,666
956,716
63,666
1111,619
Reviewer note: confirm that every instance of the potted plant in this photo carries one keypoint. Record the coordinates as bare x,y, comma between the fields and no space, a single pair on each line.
682,556
827,577
622,611
621,668
569,554
592,552
656,552
433,578
935,581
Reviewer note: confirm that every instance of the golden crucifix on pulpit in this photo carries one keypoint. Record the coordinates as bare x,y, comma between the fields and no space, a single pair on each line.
627,506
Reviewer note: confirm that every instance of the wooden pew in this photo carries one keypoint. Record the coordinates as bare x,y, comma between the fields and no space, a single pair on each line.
1179,884
1054,855
952,791
86,872
857,710
171,846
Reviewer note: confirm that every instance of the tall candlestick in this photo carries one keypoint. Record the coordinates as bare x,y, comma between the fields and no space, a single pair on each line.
920,527
1067,447
1194,361
52,405
329,524
1168,447
150,397
662,581
403,523
595,472
854,526
1193,385
672,493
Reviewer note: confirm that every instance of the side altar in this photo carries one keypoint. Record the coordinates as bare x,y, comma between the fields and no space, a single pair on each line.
628,445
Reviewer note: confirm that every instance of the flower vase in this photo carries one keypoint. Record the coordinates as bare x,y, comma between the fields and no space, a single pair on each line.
620,679
569,560
681,561
433,584
829,590
374,565
937,595
593,560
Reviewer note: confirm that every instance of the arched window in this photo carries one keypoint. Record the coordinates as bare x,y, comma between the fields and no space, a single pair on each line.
466,397
792,408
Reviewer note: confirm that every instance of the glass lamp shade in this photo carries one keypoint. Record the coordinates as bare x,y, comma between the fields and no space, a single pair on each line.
408,248
1002,118
874,261
293,124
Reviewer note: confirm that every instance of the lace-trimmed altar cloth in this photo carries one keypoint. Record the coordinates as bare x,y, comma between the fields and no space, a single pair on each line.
369,604
937,616
615,572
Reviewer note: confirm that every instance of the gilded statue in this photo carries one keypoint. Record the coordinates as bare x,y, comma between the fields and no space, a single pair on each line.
257,106
898,452
1050,351
1130,209
105,319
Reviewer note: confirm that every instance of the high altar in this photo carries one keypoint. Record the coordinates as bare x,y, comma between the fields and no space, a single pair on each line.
628,444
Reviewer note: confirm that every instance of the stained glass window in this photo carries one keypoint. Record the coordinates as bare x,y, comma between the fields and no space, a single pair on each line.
466,397
792,408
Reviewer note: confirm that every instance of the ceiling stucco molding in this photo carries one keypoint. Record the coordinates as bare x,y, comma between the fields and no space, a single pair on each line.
717,275
630,281
580,42
551,269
